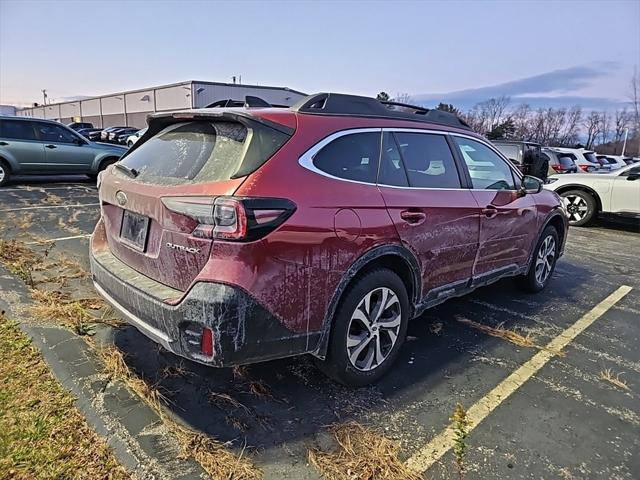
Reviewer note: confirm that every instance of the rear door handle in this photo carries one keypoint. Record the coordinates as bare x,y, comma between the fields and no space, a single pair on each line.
413,217
4,143
50,146
490,211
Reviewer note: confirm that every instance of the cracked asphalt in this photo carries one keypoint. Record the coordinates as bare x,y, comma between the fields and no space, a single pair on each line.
564,422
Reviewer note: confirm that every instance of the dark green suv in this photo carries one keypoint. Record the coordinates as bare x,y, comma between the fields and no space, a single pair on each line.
31,146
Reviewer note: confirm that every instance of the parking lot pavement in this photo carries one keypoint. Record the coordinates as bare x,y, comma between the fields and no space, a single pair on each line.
562,421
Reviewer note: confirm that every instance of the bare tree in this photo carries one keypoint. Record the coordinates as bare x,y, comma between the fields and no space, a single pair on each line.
622,120
402,98
592,124
605,127
521,121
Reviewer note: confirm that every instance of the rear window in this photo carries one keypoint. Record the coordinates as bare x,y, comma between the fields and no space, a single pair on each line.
197,152
591,157
566,161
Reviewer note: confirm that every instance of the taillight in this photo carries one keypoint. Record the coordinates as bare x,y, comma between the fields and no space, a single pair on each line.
557,168
232,218
585,168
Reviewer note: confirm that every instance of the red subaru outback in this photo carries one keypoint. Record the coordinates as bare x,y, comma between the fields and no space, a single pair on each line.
232,236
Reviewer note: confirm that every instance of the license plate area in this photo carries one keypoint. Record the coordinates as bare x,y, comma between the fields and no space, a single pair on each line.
134,230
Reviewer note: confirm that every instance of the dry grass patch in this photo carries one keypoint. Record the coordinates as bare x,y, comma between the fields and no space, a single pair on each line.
52,199
362,454
19,259
42,434
614,379
509,335
214,457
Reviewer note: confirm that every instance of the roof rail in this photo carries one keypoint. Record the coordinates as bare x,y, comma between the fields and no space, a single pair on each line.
249,101
354,105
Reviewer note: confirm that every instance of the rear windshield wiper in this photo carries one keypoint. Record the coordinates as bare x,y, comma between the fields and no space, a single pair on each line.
132,172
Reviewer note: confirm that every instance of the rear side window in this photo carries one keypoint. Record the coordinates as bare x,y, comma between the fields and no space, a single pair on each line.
352,157
590,156
197,152
428,160
18,130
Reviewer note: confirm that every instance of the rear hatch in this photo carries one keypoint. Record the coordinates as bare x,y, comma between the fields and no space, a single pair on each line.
157,202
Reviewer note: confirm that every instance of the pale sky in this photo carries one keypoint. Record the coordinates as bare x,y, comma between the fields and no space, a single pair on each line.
571,49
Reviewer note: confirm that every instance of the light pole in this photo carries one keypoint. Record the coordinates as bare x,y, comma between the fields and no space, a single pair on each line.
44,96
624,145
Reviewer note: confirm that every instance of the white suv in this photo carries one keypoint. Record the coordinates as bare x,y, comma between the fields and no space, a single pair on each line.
585,159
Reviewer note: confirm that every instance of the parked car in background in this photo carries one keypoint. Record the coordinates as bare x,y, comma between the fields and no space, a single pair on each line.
585,159
132,139
122,136
30,146
615,161
90,133
80,125
224,214
588,195
560,162
527,156
104,135
115,132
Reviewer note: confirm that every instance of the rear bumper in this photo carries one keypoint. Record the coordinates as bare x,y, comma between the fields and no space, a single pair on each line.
243,330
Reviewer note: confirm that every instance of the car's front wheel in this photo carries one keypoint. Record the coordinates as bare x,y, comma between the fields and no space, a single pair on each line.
5,173
544,261
369,327
581,207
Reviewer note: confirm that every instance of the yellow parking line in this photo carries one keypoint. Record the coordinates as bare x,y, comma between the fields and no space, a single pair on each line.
439,445
60,239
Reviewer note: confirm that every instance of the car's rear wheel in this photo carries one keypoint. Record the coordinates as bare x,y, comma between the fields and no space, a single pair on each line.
581,207
544,261
369,327
5,173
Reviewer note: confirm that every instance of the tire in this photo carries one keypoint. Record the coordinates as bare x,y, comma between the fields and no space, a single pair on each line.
543,263
581,207
5,173
357,364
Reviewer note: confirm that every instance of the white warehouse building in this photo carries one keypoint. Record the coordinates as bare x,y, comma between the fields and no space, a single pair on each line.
131,108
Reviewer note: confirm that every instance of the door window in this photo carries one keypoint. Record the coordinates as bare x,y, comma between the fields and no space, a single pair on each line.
428,160
487,170
392,170
55,134
352,157
19,130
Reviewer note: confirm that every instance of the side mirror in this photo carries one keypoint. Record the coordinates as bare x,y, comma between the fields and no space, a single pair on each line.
530,185
633,176
78,141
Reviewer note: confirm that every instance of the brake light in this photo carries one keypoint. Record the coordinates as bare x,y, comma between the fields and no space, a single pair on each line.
585,168
557,168
232,218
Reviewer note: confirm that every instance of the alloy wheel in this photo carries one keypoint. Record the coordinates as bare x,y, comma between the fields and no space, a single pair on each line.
577,207
373,329
545,258
2,173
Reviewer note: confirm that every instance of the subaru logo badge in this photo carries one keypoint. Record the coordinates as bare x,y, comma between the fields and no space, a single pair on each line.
121,197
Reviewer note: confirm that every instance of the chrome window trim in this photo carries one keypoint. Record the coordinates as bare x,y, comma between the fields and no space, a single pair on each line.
306,160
